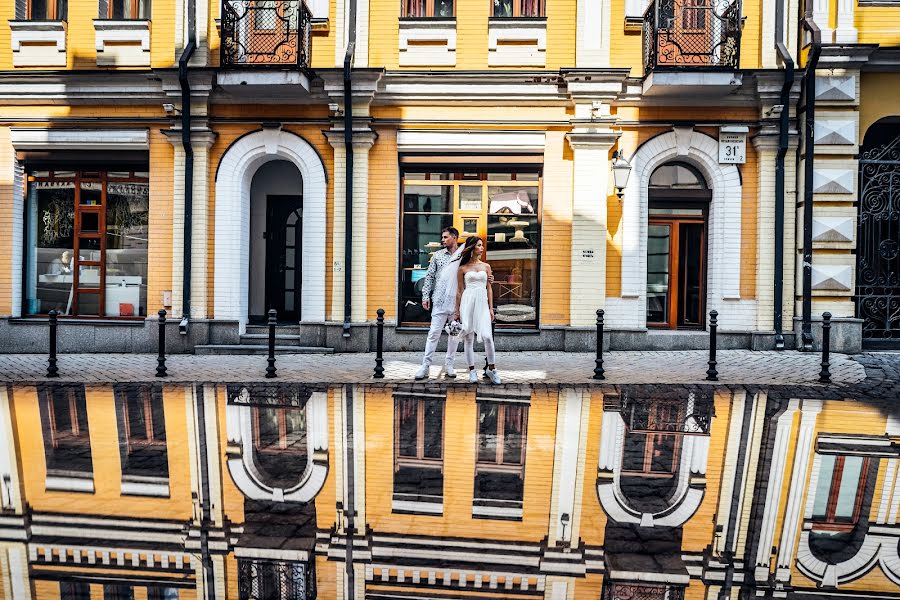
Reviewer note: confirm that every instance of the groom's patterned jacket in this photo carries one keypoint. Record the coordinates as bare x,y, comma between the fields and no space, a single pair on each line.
438,261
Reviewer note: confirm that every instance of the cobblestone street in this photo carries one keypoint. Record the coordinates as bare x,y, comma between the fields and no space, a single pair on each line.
685,367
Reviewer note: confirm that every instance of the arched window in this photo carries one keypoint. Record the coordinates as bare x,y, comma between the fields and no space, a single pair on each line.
279,444
676,247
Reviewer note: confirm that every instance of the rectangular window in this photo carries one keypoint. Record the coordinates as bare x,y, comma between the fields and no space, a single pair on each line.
47,10
502,206
653,439
693,15
129,9
142,431
518,8
74,590
279,444
418,449
500,464
162,593
418,9
67,441
86,250
118,592
840,491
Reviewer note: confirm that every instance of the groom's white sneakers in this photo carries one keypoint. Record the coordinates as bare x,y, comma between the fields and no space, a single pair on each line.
473,377
492,375
422,373
449,371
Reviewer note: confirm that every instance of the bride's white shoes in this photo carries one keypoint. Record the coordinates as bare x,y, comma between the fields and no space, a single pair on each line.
493,376
473,376
422,373
449,371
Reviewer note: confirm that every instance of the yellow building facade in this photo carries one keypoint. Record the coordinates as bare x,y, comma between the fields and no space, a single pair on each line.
501,120
249,491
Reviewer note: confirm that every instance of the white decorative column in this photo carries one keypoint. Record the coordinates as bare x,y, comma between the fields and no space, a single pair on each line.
846,31
362,143
573,410
790,527
820,16
766,144
777,466
590,147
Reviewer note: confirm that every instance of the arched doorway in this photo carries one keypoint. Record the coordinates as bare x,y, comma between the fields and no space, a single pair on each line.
276,219
878,237
676,247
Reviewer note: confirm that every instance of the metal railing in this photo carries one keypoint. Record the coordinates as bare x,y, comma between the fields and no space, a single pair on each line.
692,34
266,33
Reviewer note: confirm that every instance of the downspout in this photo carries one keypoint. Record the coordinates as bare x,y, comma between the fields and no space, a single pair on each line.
351,495
783,130
205,518
348,179
815,48
188,162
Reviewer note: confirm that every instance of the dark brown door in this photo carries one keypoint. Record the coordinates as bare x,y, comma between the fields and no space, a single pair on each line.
284,220
676,268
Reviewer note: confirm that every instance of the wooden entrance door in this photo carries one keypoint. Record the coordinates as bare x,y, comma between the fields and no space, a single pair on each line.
676,268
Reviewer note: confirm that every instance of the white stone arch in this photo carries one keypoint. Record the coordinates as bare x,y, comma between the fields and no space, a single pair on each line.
724,230
238,425
232,242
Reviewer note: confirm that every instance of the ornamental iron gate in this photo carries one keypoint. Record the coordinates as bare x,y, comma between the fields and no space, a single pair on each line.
878,245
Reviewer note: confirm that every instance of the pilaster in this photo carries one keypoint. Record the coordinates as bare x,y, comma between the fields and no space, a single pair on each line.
592,33
573,412
363,139
591,147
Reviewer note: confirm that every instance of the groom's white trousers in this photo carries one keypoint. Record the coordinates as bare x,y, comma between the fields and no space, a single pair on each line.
439,318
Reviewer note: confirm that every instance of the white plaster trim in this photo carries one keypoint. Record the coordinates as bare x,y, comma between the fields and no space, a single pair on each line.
240,455
38,32
409,506
506,47
417,45
232,248
133,31
875,549
67,138
145,487
10,493
689,490
569,431
271,554
773,489
802,453
724,231
63,483
497,511
418,140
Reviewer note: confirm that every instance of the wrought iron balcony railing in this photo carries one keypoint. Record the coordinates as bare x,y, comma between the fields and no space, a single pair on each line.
692,34
269,33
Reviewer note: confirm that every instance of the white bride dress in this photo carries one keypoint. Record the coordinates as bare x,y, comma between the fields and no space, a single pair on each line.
474,310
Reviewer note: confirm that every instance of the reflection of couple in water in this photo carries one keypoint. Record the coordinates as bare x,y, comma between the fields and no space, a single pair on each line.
457,289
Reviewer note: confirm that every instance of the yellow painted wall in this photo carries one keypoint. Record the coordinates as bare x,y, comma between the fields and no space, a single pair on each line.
383,225
460,434
556,222
877,99
107,499
877,25
159,244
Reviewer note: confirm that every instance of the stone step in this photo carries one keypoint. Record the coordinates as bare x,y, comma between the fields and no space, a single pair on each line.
260,349
255,339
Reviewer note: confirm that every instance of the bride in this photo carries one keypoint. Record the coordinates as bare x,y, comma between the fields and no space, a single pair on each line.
475,306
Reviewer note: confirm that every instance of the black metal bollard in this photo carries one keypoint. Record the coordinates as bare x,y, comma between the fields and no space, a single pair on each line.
161,357
52,369
599,373
379,345
825,373
711,373
273,321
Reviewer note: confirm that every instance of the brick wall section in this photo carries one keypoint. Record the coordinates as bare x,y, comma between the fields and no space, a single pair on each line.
162,33
749,234
11,220
384,225
556,224
159,245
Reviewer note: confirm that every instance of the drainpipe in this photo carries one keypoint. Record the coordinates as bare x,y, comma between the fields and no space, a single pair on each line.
815,48
783,130
205,518
348,151
351,496
188,162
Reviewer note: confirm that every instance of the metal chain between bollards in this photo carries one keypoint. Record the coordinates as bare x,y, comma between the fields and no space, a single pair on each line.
825,373
379,345
52,369
711,373
599,372
273,322
161,370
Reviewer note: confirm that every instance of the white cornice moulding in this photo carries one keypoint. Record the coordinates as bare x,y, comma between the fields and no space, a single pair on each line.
45,138
469,141
38,43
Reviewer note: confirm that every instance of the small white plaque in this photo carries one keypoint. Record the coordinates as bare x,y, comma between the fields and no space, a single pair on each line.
732,147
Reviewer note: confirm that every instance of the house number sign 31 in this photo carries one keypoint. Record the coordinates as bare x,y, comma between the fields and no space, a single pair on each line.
732,145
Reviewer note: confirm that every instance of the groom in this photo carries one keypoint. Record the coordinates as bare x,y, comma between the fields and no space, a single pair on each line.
439,313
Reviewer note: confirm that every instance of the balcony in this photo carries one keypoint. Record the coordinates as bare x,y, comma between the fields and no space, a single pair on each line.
266,49
693,45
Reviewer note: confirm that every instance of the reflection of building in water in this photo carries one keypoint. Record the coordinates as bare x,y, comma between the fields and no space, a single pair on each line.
262,491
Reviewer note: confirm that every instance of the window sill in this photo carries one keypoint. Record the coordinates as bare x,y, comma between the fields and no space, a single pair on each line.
157,487
122,43
410,507
517,42
69,482
38,43
428,42
496,512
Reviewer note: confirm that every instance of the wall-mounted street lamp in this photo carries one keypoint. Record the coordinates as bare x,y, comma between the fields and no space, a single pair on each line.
621,169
